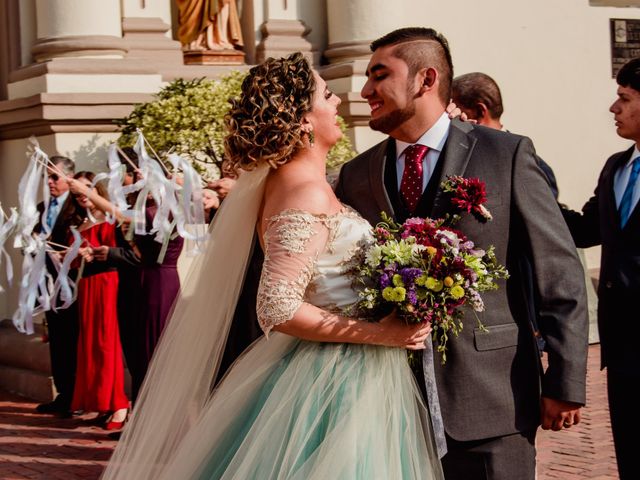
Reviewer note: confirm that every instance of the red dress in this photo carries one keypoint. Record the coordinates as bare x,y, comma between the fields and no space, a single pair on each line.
100,375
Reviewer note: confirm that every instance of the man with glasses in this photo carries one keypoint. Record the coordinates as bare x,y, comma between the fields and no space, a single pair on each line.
63,324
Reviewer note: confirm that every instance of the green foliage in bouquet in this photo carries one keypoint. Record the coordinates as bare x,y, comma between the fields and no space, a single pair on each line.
187,117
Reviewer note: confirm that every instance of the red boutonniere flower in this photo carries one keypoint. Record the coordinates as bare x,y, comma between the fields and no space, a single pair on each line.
469,195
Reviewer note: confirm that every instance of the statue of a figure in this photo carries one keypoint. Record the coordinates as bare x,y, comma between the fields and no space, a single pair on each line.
209,25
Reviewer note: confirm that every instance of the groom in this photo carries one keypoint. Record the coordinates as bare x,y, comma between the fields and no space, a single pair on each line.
492,391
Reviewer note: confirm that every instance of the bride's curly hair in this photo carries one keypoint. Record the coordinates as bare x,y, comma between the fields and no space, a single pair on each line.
265,123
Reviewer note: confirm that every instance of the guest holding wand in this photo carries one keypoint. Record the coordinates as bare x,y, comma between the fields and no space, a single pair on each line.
100,377
62,325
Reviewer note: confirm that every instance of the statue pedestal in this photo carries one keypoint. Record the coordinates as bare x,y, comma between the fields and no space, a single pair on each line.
213,57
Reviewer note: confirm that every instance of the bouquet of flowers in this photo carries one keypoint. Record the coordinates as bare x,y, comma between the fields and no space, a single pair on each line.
427,271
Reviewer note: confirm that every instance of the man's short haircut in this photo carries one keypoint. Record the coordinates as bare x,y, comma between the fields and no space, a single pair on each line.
420,48
629,74
64,163
470,89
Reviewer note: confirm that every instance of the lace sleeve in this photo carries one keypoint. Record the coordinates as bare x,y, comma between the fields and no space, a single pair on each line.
293,240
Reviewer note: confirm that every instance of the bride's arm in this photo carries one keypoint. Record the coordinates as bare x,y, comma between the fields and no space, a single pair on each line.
293,239
314,324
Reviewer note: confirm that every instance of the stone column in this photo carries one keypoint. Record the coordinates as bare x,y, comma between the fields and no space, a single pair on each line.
78,28
282,32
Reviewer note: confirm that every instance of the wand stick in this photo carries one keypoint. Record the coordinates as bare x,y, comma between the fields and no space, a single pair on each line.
164,167
124,155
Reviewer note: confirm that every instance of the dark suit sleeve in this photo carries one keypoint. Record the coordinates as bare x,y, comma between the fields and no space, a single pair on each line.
585,226
558,279
122,256
551,177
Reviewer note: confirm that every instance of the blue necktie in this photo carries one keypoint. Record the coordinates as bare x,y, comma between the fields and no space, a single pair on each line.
51,212
627,196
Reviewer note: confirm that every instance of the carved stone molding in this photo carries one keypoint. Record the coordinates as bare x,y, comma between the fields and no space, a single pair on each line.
48,113
145,38
347,51
283,37
78,46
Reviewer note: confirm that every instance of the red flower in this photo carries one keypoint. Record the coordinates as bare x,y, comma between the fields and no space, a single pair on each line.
469,195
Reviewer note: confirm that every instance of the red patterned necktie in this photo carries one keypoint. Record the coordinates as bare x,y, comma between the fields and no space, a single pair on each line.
411,185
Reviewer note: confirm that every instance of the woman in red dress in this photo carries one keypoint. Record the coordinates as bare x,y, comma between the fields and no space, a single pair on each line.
100,376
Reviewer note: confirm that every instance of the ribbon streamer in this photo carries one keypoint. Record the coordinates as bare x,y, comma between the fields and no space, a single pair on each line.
6,228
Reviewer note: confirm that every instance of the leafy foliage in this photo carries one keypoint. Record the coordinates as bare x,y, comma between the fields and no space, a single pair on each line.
187,117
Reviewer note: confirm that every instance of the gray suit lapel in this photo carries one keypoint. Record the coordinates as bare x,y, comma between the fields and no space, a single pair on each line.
455,158
377,166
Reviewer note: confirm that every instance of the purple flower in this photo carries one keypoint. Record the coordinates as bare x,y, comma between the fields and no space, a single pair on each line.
411,296
409,276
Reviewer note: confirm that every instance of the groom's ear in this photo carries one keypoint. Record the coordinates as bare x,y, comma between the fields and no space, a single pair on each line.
427,78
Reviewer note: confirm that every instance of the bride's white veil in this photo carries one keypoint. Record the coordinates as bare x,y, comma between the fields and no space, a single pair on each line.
187,358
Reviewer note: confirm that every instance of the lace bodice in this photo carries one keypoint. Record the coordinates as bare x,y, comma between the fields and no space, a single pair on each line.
307,257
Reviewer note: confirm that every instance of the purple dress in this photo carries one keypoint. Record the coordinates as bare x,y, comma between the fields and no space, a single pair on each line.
160,286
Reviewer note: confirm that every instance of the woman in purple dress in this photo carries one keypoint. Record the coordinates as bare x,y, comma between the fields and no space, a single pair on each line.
160,285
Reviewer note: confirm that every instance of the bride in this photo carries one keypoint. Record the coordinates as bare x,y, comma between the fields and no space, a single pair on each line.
321,395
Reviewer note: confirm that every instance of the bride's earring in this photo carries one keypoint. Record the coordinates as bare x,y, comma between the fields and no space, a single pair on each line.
312,138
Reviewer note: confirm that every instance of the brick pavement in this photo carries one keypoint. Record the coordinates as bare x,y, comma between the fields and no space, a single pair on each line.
34,446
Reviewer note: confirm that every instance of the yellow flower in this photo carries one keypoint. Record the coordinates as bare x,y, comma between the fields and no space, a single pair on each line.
457,292
397,280
448,281
431,250
394,294
421,280
433,284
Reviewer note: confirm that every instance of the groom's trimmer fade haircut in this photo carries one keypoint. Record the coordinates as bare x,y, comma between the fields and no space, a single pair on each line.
421,47
629,74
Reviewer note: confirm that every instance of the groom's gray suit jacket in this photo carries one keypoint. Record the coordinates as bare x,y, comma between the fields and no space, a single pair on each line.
492,381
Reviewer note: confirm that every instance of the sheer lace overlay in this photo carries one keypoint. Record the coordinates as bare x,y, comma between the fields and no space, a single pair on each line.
293,241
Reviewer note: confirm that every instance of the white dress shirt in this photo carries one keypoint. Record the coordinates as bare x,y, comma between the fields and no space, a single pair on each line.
434,138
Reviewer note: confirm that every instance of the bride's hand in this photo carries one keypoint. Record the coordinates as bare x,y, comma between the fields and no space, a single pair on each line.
397,333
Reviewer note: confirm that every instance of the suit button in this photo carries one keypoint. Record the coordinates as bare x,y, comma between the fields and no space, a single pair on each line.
608,284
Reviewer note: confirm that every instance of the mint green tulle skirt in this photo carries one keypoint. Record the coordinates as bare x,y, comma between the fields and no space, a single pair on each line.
291,409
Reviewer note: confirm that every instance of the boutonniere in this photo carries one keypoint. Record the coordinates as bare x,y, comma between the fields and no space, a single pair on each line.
468,195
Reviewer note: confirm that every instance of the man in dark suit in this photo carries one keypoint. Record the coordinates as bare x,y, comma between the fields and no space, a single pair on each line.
63,324
492,391
611,218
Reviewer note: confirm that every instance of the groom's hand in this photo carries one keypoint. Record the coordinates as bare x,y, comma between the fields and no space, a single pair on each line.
558,414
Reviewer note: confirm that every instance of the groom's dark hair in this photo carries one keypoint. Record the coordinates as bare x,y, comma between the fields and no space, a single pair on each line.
421,47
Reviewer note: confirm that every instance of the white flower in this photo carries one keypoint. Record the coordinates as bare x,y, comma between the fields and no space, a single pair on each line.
374,256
